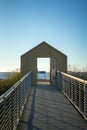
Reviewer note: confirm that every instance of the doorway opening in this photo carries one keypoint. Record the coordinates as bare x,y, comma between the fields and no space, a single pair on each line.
43,70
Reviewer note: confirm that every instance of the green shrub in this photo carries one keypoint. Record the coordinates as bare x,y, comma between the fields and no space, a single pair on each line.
6,84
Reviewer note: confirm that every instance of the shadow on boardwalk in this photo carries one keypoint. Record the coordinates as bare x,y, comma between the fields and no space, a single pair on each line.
48,109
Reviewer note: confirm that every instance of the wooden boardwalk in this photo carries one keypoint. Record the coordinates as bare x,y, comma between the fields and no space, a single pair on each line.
48,109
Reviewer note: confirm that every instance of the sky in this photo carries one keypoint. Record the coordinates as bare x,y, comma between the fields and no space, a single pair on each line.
26,23
43,64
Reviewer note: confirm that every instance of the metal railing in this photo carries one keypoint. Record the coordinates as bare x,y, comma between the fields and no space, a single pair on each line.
75,89
12,103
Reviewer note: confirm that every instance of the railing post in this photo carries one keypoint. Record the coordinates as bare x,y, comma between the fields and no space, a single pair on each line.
15,108
85,101
79,95
69,88
19,102
11,112
4,107
59,80
75,91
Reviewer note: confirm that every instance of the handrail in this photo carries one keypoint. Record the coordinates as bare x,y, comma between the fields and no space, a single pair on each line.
75,89
76,78
12,103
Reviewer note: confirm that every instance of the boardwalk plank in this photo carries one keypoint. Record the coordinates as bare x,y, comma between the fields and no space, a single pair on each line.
48,109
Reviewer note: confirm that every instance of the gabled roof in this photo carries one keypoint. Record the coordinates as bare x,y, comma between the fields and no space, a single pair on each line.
45,43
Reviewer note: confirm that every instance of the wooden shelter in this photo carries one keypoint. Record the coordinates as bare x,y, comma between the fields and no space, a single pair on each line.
43,50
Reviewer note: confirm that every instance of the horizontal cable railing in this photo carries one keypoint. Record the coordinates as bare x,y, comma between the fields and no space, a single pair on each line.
12,103
75,89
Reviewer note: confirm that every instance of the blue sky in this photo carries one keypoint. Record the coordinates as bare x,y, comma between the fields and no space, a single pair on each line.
26,23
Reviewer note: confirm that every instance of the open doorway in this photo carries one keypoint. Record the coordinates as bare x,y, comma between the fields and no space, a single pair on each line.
43,70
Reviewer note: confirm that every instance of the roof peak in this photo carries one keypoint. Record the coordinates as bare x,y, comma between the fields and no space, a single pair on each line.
45,43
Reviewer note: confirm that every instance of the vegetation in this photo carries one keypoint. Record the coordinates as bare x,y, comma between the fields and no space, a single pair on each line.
6,84
78,71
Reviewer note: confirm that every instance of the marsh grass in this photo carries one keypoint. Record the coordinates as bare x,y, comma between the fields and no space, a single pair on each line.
6,84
